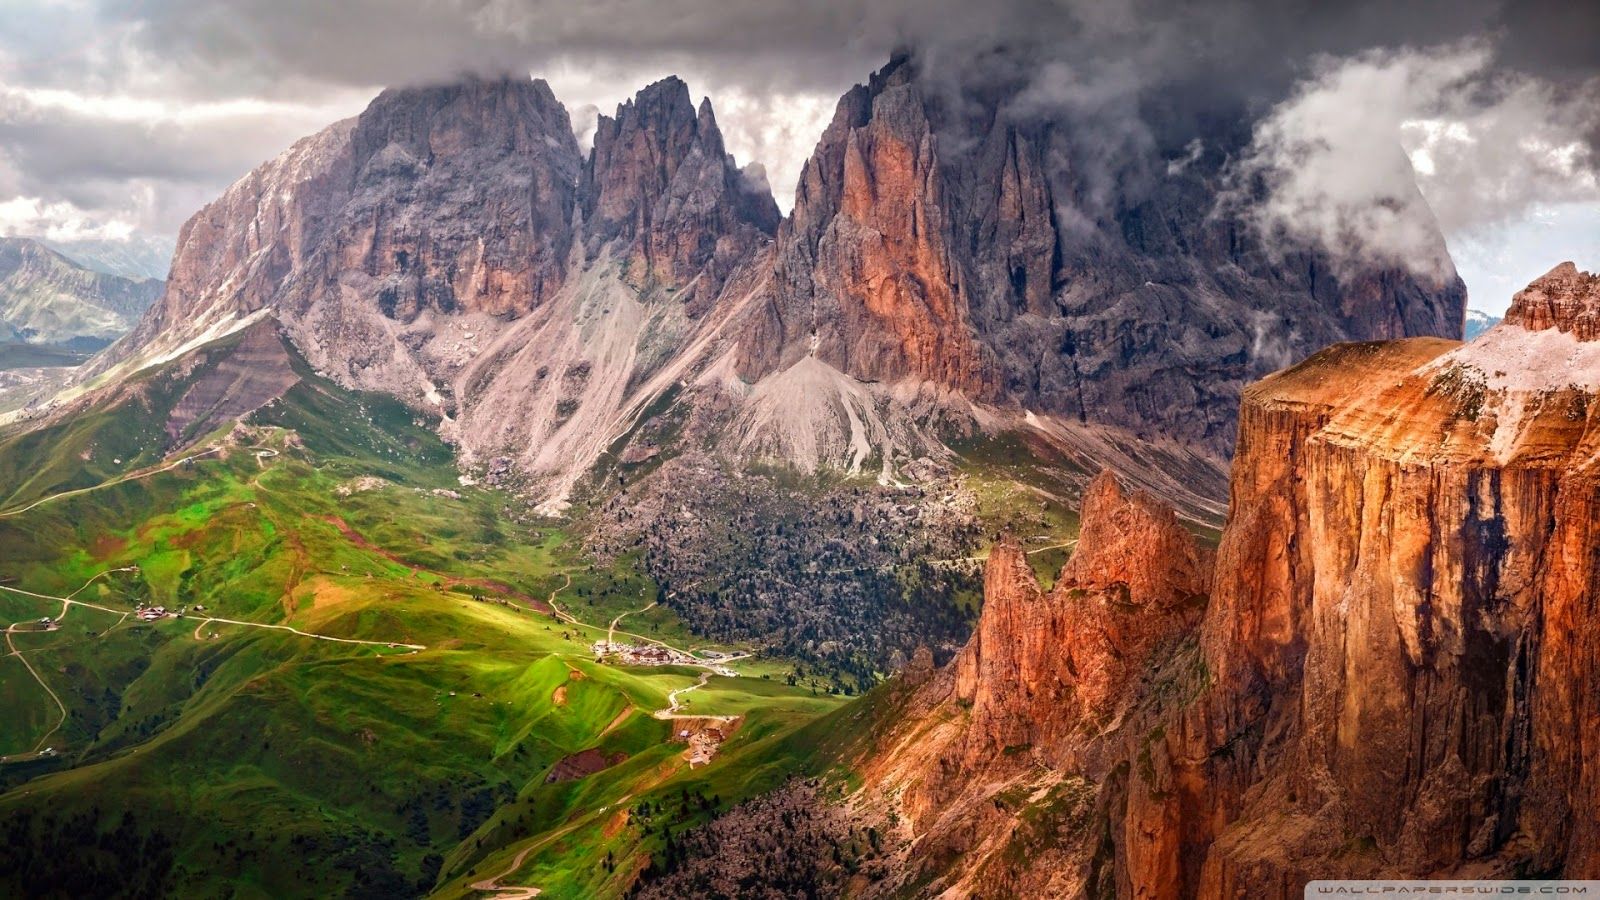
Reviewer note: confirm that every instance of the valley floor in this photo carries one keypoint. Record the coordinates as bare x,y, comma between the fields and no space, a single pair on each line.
295,664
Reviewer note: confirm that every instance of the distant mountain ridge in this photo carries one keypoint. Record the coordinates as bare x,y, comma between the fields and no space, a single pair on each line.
48,299
137,257
1478,322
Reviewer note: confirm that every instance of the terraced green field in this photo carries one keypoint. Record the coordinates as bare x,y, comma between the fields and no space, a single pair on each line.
391,708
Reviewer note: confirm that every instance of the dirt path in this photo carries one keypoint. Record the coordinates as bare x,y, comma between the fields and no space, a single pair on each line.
516,892
131,476
68,602
321,637
670,711
560,613
38,747
66,605
611,633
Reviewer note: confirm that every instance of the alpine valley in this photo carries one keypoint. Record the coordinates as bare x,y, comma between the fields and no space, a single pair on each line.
476,514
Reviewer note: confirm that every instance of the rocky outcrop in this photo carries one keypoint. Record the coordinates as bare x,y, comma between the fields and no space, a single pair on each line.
461,198
1563,300
1400,635
961,242
1043,707
660,181
234,380
1042,663
1394,672
46,298
454,200
866,278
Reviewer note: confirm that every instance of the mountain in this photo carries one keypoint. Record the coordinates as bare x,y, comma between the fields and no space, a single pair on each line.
137,257
1478,322
964,246
1385,672
46,298
942,274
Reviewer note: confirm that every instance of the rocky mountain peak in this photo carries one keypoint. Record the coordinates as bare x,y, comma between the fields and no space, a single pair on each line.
941,237
870,275
1133,539
430,160
660,183
1040,662
475,115
1564,298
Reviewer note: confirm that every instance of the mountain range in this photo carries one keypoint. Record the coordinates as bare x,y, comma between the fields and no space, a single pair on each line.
48,299
939,274
476,514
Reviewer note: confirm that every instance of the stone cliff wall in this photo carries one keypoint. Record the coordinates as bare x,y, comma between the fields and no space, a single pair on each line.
1395,673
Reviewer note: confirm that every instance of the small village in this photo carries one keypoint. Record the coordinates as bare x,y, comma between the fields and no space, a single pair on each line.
657,655
154,613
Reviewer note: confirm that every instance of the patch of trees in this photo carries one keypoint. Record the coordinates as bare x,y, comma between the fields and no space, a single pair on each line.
75,855
850,578
790,843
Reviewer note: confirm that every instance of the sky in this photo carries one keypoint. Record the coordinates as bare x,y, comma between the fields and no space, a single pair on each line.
120,118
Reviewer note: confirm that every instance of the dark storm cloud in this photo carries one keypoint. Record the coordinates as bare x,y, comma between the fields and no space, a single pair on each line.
1151,71
1235,45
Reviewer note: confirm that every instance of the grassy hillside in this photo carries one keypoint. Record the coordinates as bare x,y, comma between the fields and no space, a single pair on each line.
391,709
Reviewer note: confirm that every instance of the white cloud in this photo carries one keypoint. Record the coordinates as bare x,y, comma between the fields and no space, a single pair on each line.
1343,158
60,221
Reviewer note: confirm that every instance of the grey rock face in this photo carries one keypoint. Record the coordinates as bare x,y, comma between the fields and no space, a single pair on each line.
964,244
660,181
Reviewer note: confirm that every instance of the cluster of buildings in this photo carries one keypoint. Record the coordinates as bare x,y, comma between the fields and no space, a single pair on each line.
641,654
657,655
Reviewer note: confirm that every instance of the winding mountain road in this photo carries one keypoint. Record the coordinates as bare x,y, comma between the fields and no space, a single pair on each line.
66,605
131,476
68,602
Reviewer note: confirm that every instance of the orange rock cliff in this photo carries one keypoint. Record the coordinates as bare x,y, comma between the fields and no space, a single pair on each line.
1393,674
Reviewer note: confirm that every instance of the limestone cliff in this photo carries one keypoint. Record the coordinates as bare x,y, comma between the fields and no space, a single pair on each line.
1393,675
1008,762
1403,632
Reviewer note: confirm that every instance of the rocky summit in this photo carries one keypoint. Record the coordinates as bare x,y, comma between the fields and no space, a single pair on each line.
941,273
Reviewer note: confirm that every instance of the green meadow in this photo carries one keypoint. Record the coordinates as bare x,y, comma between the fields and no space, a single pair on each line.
234,759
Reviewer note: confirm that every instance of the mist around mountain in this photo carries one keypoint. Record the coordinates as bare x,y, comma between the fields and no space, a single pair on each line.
138,257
